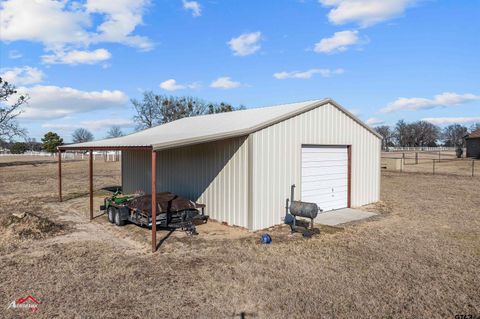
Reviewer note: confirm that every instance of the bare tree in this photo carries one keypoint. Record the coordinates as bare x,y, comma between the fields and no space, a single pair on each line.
424,133
420,133
114,131
175,108
81,135
159,109
474,127
148,110
402,133
453,135
8,124
386,133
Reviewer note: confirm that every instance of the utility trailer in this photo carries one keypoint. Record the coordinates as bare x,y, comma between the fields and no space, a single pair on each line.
173,211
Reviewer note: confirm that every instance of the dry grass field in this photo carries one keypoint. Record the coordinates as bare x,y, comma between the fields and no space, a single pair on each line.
419,258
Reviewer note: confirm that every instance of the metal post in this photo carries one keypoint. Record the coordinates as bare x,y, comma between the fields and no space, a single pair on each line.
473,168
91,183
154,201
60,176
416,157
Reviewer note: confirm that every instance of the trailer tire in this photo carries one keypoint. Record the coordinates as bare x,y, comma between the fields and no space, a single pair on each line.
118,218
111,214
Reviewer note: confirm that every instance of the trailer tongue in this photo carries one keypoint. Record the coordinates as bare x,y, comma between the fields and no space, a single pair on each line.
173,211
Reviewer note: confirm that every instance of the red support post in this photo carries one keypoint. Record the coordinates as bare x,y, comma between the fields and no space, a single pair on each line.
91,183
60,176
154,201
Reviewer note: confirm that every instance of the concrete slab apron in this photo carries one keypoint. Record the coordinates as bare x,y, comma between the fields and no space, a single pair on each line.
342,216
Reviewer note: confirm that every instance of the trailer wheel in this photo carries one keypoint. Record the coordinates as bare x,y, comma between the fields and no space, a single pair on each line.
118,220
111,214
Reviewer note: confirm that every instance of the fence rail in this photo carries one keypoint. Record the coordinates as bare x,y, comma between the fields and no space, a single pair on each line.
106,156
445,166
420,149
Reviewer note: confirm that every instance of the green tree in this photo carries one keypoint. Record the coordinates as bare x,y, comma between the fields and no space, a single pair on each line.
51,141
18,148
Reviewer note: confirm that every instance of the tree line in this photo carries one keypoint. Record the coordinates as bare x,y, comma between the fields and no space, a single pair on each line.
423,134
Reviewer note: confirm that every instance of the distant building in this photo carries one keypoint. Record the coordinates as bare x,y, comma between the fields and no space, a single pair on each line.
473,144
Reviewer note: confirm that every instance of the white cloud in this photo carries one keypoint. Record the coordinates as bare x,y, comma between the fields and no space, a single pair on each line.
77,57
47,21
374,121
22,75
50,102
194,6
245,44
121,17
339,42
451,120
365,12
173,85
65,26
92,125
307,74
225,82
418,103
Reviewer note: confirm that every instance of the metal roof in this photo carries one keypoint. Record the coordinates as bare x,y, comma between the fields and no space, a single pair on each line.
474,134
205,128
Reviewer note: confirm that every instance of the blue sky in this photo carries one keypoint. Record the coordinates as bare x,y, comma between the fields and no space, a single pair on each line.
81,61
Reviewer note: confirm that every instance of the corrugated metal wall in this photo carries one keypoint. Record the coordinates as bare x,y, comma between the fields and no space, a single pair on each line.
276,160
215,174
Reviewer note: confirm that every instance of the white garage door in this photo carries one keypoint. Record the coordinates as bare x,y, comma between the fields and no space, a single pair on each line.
325,176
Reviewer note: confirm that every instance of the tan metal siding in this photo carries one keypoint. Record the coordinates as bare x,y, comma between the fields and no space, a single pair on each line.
214,173
276,160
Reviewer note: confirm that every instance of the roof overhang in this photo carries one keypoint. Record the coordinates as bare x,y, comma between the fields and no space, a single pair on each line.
104,148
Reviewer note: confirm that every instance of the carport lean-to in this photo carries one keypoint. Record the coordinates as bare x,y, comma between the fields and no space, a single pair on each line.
241,164
90,170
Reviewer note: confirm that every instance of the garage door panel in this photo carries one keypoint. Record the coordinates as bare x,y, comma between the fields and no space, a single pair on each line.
325,176
322,171
320,184
319,164
325,157
321,149
313,191
338,195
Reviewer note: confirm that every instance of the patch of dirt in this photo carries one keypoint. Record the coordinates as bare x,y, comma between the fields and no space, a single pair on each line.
30,226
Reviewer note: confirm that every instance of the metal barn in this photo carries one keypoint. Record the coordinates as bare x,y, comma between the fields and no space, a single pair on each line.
241,164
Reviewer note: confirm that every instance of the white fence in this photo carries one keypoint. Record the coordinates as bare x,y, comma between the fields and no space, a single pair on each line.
106,156
419,149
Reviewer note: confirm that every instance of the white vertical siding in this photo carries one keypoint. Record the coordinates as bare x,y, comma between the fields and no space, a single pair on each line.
276,160
215,174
